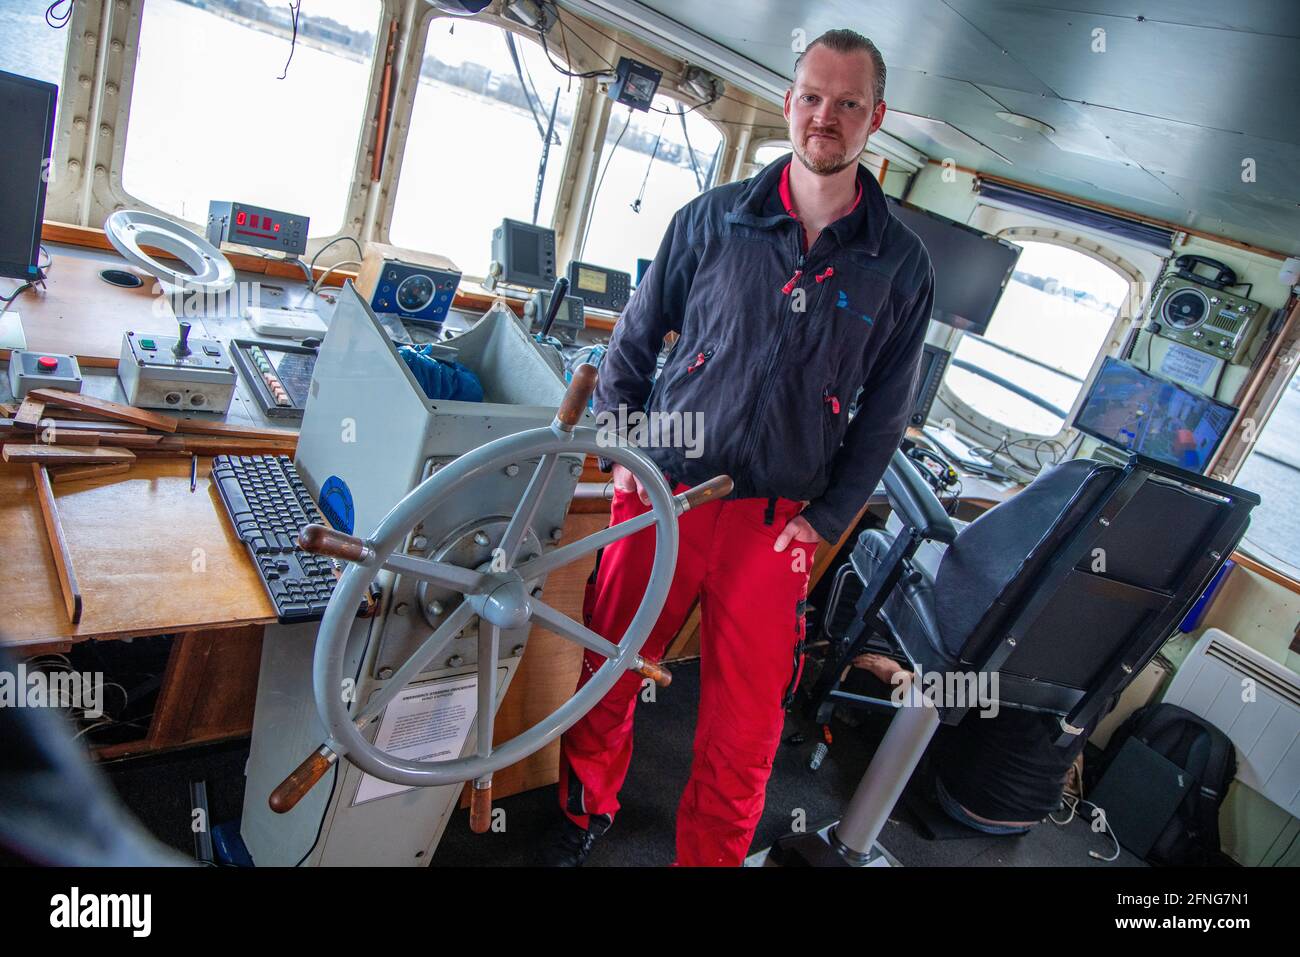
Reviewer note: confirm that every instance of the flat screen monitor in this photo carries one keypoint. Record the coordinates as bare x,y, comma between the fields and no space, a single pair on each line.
27,107
1135,411
971,268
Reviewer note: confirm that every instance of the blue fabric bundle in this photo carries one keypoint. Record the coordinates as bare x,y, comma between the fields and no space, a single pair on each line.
442,378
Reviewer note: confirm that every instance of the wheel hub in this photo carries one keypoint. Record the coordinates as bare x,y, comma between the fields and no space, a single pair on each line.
505,601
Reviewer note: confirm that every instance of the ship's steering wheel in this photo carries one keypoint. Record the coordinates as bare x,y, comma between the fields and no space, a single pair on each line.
500,595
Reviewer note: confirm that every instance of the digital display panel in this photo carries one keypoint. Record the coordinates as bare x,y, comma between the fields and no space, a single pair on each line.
591,280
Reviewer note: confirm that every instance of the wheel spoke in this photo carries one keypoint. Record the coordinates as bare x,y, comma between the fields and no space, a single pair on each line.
547,563
418,661
439,573
566,627
489,642
527,510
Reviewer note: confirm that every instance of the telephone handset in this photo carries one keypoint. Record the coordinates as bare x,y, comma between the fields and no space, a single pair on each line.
1187,264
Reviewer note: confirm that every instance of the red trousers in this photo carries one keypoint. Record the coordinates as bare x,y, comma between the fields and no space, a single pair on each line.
751,634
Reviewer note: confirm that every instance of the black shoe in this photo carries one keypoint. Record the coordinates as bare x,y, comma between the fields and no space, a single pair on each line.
570,845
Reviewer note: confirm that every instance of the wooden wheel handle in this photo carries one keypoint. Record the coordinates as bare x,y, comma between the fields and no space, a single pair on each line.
576,396
301,780
656,673
320,540
719,486
480,808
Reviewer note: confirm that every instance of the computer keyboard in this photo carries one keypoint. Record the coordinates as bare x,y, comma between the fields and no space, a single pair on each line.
268,503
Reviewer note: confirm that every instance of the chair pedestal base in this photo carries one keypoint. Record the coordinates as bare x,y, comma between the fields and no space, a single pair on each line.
820,848
897,757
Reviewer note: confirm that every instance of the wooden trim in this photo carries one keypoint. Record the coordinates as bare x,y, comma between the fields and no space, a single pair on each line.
1266,571
1117,211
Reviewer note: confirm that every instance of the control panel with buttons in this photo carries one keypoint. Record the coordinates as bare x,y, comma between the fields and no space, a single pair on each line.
278,375
415,293
257,226
42,370
181,372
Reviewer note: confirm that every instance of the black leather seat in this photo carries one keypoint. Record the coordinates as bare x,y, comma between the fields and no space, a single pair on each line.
938,601
1065,590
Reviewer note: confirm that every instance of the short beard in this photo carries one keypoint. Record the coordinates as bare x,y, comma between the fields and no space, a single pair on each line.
824,168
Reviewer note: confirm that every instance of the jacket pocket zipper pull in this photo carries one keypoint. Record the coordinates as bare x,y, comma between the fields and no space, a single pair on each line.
794,280
832,401
826,274
699,360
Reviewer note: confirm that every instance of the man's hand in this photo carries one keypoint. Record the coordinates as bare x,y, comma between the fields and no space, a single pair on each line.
625,481
797,530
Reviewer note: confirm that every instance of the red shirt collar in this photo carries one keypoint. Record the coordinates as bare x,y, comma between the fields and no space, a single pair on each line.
788,202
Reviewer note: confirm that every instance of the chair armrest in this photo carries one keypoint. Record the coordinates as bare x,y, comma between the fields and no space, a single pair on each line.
914,500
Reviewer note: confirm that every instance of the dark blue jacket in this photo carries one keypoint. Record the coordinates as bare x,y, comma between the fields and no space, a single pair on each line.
774,384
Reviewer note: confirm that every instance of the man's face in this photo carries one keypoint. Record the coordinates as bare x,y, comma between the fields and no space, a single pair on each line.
830,109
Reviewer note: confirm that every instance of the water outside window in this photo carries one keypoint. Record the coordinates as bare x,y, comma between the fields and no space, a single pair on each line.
210,118
1047,330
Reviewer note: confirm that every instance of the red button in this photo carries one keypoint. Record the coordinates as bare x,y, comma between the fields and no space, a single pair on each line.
47,363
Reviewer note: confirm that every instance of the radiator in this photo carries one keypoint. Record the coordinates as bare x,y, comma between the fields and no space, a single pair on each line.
1266,731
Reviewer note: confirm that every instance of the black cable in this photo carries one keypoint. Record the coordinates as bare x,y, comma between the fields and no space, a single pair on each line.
360,252
541,35
564,38
690,152
601,182
691,110
58,20
294,9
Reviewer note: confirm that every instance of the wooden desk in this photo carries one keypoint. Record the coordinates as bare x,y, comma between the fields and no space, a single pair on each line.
80,314
152,557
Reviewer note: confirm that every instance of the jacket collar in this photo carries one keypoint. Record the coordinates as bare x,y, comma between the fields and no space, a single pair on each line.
863,228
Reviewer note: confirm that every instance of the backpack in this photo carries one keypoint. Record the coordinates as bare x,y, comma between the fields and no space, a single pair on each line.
1192,836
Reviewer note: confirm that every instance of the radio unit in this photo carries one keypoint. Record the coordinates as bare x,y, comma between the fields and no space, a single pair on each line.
600,288
1204,317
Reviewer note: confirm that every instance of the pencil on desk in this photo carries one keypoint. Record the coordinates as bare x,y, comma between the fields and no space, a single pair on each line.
194,472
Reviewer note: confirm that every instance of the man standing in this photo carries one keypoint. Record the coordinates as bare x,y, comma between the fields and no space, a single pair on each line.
789,292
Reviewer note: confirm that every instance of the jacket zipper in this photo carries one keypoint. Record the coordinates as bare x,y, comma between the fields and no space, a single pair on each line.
751,433
700,359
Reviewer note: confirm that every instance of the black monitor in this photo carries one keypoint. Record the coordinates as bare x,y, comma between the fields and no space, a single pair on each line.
934,361
526,254
971,268
27,107
1136,411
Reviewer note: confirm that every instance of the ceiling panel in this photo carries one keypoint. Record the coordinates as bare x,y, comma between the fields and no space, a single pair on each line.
1157,124
1226,79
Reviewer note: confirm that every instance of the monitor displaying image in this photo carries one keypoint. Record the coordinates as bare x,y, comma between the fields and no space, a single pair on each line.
1136,411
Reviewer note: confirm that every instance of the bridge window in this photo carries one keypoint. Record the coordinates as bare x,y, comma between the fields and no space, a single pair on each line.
1273,471
211,118
30,47
765,154
661,162
475,142
1044,335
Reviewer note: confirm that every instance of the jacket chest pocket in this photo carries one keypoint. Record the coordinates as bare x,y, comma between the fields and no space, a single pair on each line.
693,367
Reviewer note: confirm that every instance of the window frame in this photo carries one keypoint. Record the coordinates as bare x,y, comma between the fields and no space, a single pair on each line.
1125,318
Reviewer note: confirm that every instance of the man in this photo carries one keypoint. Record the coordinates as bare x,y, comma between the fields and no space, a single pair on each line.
789,291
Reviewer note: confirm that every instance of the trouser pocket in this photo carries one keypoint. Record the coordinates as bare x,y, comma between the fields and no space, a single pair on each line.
800,641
